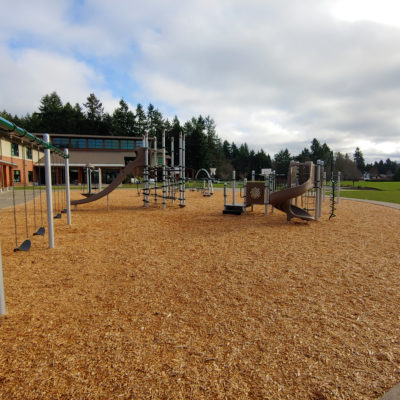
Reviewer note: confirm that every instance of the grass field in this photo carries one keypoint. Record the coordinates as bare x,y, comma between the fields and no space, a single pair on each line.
367,190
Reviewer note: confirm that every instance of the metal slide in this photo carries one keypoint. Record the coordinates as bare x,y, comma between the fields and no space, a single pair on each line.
138,162
282,199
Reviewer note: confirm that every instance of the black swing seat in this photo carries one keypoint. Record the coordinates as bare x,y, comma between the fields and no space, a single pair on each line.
40,232
64,211
58,216
25,246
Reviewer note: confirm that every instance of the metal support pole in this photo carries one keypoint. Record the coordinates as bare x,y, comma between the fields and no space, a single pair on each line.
146,172
253,175
338,186
180,172
245,195
233,187
225,194
100,180
2,296
89,180
67,187
155,160
184,169
164,189
47,170
172,152
266,194
318,188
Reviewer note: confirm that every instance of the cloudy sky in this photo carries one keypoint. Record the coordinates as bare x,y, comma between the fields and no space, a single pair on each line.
272,73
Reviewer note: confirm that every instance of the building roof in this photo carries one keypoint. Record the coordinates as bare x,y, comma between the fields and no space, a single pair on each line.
2,162
88,135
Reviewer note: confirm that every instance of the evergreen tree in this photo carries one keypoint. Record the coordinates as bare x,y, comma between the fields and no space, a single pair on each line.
94,116
51,113
196,144
359,160
123,121
282,162
319,152
141,121
226,148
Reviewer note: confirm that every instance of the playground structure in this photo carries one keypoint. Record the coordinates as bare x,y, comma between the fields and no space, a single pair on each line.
302,198
172,177
203,183
91,171
57,196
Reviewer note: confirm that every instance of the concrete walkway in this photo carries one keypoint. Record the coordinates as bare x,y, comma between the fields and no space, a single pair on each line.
6,197
379,203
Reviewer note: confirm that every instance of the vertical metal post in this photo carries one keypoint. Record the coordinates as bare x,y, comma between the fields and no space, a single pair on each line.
172,152
233,187
146,172
180,172
318,188
164,189
49,199
245,195
2,296
184,169
89,179
323,185
338,186
321,188
253,175
100,180
266,193
67,187
225,195
155,160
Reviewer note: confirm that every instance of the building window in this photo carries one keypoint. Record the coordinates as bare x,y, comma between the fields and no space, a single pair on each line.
14,149
29,153
60,142
139,143
17,175
127,144
78,143
30,176
111,144
95,143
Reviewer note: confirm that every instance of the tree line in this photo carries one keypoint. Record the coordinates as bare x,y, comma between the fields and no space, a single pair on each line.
204,149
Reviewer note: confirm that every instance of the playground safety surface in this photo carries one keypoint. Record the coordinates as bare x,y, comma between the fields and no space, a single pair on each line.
138,303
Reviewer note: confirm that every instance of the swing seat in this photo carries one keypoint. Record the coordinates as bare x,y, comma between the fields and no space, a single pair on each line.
64,211
58,216
25,246
40,232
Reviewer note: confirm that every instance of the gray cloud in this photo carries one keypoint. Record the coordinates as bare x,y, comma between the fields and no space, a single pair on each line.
273,74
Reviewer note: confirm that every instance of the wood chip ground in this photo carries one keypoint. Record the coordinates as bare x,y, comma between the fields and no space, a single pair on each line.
188,303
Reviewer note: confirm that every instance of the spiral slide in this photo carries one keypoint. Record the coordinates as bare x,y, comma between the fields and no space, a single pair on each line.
282,199
129,169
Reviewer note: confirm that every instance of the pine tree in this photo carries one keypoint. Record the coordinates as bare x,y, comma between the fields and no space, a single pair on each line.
359,160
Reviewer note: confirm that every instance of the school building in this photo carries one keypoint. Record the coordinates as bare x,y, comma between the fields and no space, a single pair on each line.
18,160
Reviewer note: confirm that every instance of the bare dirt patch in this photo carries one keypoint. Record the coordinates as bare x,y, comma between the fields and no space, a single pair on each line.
139,303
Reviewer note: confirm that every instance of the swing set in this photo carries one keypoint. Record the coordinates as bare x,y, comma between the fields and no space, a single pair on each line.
57,195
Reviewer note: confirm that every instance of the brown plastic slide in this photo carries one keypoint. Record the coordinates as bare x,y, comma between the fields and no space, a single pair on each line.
281,199
129,169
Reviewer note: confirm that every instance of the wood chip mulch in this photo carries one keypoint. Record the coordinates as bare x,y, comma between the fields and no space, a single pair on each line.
137,303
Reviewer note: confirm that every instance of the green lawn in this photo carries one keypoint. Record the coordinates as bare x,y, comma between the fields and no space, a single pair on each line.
371,184
380,191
